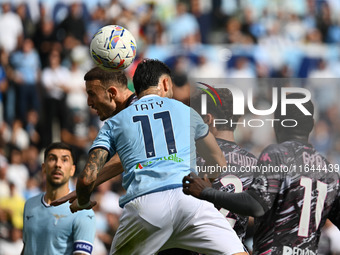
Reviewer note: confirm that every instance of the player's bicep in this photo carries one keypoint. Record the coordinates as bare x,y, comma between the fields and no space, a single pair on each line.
95,162
208,148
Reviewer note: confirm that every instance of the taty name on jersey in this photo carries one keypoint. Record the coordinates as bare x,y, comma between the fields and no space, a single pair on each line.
148,106
296,251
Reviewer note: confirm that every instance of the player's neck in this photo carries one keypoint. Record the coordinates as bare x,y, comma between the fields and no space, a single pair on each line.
153,90
53,193
121,103
287,137
225,135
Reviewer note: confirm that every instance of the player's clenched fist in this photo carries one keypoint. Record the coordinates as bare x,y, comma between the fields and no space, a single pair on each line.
194,185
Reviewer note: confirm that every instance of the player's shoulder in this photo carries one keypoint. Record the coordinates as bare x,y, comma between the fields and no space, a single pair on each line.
35,199
274,148
85,214
86,217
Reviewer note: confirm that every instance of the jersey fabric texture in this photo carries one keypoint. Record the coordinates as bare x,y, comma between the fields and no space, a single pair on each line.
237,179
155,139
55,230
297,188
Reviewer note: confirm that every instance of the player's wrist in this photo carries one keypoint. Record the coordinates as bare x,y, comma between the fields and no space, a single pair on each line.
84,205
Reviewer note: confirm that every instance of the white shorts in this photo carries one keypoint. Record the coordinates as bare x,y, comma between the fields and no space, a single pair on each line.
171,219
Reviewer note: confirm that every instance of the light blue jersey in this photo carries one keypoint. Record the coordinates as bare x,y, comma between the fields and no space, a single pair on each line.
155,139
55,230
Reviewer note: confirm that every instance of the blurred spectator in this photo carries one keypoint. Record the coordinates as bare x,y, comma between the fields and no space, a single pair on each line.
233,33
26,20
72,30
152,29
201,9
44,37
13,205
26,65
183,26
207,68
323,86
322,138
76,98
97,21
14,244
295,29
273,38
33,128
54,80
32,160
4,184
11,30
243,68
3,82
324,20
17,168
19,136
32,188
113,10
128,19
250,26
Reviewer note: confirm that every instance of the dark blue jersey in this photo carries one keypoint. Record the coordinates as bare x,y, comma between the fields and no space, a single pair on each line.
237,179
297,188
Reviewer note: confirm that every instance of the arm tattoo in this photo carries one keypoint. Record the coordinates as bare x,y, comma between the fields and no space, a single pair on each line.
88,176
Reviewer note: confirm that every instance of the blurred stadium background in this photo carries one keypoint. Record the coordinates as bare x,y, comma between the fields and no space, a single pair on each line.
44,55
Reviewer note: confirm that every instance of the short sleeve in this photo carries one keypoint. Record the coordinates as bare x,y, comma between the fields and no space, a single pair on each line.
84,229
105,139
200,129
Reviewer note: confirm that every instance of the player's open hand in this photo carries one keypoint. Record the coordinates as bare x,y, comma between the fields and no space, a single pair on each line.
74,207
194,185
69,197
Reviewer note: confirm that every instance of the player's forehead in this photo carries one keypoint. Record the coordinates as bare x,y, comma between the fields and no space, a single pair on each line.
94,85
59,153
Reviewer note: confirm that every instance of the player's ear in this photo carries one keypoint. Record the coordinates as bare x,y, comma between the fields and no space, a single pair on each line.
166,83
208,119
112,92
73,170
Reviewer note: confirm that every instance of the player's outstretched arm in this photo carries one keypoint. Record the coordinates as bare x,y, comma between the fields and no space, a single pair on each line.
241,203
87,178
211,152
111,169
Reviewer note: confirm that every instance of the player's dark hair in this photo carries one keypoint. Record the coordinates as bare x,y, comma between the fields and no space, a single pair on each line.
107,77
305,123
148,73
58,145
224,111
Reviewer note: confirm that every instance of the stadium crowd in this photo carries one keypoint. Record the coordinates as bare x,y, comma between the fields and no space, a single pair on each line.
44,54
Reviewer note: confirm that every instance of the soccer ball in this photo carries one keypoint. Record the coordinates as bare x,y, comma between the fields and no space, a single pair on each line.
113,48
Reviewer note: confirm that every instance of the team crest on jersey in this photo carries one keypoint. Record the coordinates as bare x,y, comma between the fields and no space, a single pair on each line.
260,183
58,217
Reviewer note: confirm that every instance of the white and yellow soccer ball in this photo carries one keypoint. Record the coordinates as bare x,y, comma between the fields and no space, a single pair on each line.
113,48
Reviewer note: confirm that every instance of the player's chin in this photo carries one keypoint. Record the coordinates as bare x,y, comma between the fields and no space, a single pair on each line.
57,182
